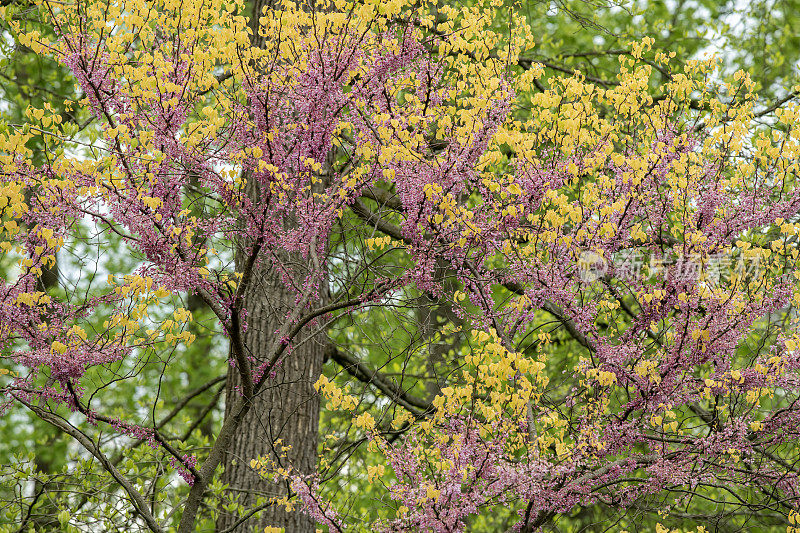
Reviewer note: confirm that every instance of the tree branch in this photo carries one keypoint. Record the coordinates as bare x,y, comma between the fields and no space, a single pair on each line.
139,503
370,376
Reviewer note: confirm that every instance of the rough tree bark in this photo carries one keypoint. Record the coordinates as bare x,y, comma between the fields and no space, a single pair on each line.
286,409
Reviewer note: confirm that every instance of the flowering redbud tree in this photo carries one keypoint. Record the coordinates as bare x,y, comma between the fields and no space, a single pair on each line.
611,272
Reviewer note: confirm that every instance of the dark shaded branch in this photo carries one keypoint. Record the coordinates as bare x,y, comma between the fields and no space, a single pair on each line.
370,376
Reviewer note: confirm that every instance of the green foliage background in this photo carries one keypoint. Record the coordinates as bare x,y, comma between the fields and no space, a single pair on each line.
39,467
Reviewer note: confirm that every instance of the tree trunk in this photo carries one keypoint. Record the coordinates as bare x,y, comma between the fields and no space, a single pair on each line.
286,409
285,412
